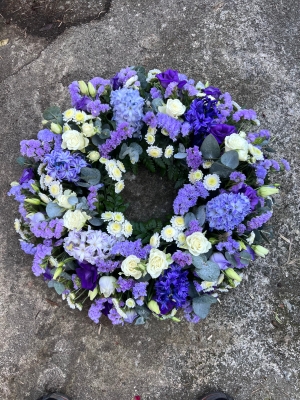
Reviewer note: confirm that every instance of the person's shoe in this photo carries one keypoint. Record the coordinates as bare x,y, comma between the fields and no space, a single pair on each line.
215,396
54,396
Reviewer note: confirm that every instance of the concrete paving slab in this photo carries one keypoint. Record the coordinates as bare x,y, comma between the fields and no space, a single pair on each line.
249,345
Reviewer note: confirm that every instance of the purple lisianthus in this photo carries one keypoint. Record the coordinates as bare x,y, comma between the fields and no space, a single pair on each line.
220,131
212,91
26,175
169,76
219,259
88,275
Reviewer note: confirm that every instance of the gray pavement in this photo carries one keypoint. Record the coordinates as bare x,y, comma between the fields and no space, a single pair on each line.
249,344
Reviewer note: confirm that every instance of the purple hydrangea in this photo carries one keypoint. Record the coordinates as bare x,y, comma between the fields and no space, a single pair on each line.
62,165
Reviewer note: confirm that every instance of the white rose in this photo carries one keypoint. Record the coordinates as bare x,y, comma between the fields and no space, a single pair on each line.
130,267
197,244
88,129
236,142
174,108
107,285
157,263
62,200
74,140
74,220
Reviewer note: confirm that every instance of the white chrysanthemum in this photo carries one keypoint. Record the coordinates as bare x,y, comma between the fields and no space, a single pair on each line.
69,114
121,166
150,138
169,233
79,117
118,217
207,164
115,229
55,189
47,180
107,216
130,303
211,182
178,222
154,151
42,185
17,225
40,169
169,150
115,173
155,240
119,186
181,239
127,229
195,176
71,300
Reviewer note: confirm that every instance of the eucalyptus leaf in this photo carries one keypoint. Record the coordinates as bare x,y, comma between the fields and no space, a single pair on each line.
144,278
143,311
96,221
51,284
53,210
83,184
72,200
140,321
21,160
188,218
105,134
96,140
210,148
157,103
201,305
200,215
198,261
70,266
209,271
229,257
59,287
245,257
53,114
269,149
192,291
90,175
220,169
180,155
230,159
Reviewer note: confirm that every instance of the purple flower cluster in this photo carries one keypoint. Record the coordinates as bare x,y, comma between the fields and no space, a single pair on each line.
170,76
225,107
181,258
122,77
258,221
187,197
226,211
150,119
230,245
189,315
45,135
34,149
124,284
96,309
193,227
62,165
122,132
155,93
106,266
127,248
170,124
95,107
140,289
48,229
245,114
237,177
28,248
193,157
42,251
88,275
92,196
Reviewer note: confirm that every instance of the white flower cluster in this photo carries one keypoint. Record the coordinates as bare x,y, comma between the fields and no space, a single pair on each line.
246,151
115,168
117,224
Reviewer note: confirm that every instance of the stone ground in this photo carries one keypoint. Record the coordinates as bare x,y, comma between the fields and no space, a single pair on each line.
249,345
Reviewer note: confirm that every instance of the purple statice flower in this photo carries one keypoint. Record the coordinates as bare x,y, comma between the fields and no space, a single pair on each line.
258,221
23,212
62,165
212,91
88,275
150,119
201,116
194,157
220,131
74,91
191,90
260,173
101,83
172,286
241,228
170,88
96,309
230,245
28,186
226,211
275,165
219,259
28,248
193,227
27,175
105,266
286,164
245,114
155,93
127,248
237,177
127,107
189,315
122,132
170,124
185,129
225,107
16,191
140,290
47,229
121,77
42,251
247,191
115,317
92,196
45,135
169,76
202,192
187,197
198,286
76,282
181,258
124,284
34,149
95,107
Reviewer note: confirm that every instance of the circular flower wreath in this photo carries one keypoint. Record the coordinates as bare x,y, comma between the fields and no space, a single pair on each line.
71,209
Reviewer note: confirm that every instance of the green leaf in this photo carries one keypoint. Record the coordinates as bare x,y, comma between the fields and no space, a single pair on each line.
148,162
245,257
188,218
59,287
96,140
21,161
230,159
220,169
53,114
209,271
140,321
201,305
160,162
198,261
210,148
96,221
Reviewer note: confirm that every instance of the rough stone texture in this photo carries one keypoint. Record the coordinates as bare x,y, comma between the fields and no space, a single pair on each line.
249,345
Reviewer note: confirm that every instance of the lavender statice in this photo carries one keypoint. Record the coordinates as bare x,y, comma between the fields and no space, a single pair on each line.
106,266
258,221
115,317
225,107
127,107
182,258
140,289
194,157
285,164
245,114
241,228
122,77
127,248
92,196
172,87
100,84
229,245
169,124
45,135
187,197
190,89
62,165
123,131
226,211
189,315
95,107
150,119
155,93
124,284
172,287
185,129
96,309
42,251
34,149
237,177
16,191
193,227
28,248
48,229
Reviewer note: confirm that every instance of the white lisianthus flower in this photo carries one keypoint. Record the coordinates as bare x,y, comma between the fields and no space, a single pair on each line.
44,198
80,117
114,228
75,220
195,176
107,285
236,142
118,308
251,238
131,81
157,263
197,244
74,140
169,150
154,151
62,200
69,114
127,229
119,186
55,189
178,222
130,267
169,233
107,216
256,152
155,240
88,129
152,74
130,303
211,182
93,156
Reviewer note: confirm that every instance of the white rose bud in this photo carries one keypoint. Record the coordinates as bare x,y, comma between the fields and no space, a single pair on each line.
74,140
88,129
93,156
130,267
107,285
197,244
